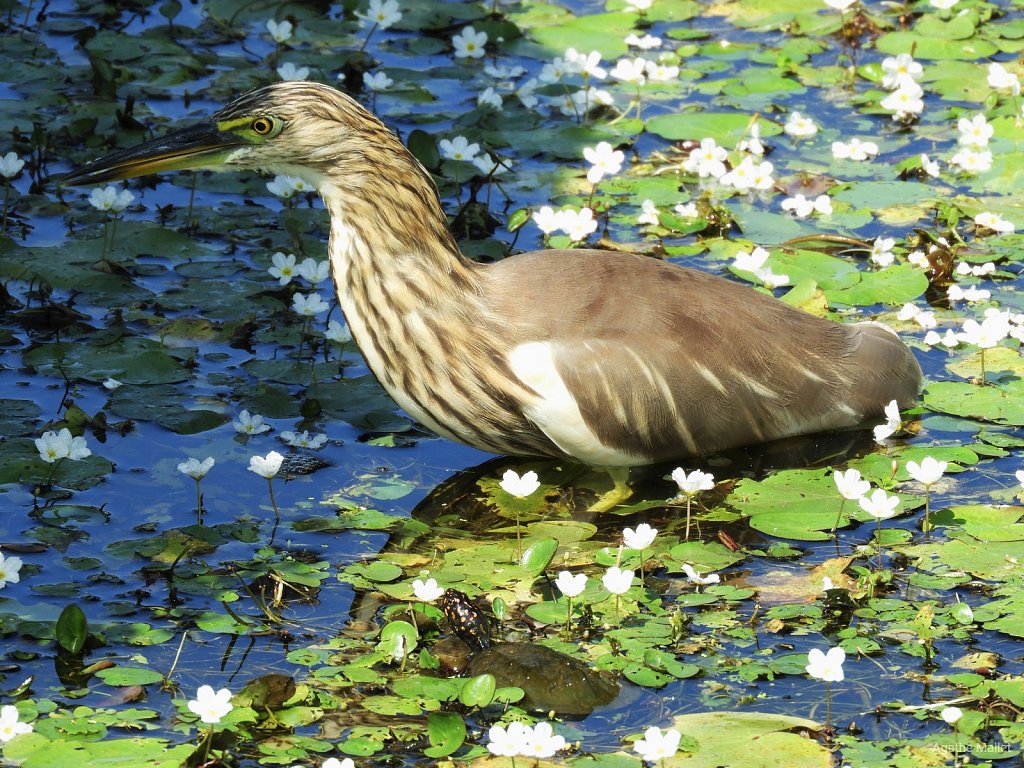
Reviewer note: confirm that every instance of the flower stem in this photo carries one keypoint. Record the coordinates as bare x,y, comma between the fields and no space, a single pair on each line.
273,501
7,193
828,704
927,525
839,515
879,536
686,536
568,616
368,36
206,747
199,502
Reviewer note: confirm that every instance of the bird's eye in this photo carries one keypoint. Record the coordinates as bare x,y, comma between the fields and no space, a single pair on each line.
262,126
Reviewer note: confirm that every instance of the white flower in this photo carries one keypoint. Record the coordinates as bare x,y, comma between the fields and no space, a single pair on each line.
284,266
696,578
547,219
381,14
337,332
975,132
266,466
928,471
525,93
10,570
542,741
309,306
553,71
313,271
850,485
881,251
707,160
693,483
660,73
508,742
489,98
752,145
1019,474
304,440
458,148
280,31
750,262
54,446
930,167
378,81
972,161
1002,80
250,424
923,318
9,725
897,70
11,165
112,384
289,71
798,205
770,280
604,160
750,175
687,211
578,225
826,666
616,580
209,705
630,70
855,149
641,538
333,762
517,486
657,744
469,44
502,72
879,504
986,334
971,293
905,101
995,222
110,199
639,5
644,43
943,5
286,186
951,715
572,585
195,468
648,214
586,63
428,591
798,126
948,340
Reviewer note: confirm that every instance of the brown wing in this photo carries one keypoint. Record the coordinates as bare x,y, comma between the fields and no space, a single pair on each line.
666,361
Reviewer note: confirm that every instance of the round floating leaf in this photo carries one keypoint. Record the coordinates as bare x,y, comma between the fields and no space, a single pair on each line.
447,732
478,691
124,676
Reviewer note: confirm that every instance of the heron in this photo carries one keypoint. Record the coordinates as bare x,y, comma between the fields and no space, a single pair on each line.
606,358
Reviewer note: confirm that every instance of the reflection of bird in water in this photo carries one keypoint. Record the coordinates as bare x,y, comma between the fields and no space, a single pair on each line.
606,358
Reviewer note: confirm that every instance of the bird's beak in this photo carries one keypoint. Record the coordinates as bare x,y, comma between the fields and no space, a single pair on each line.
198,146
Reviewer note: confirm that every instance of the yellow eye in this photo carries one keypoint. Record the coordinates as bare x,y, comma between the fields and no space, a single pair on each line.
261,126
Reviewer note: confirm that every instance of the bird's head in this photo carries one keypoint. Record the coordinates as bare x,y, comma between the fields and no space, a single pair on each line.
299,129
